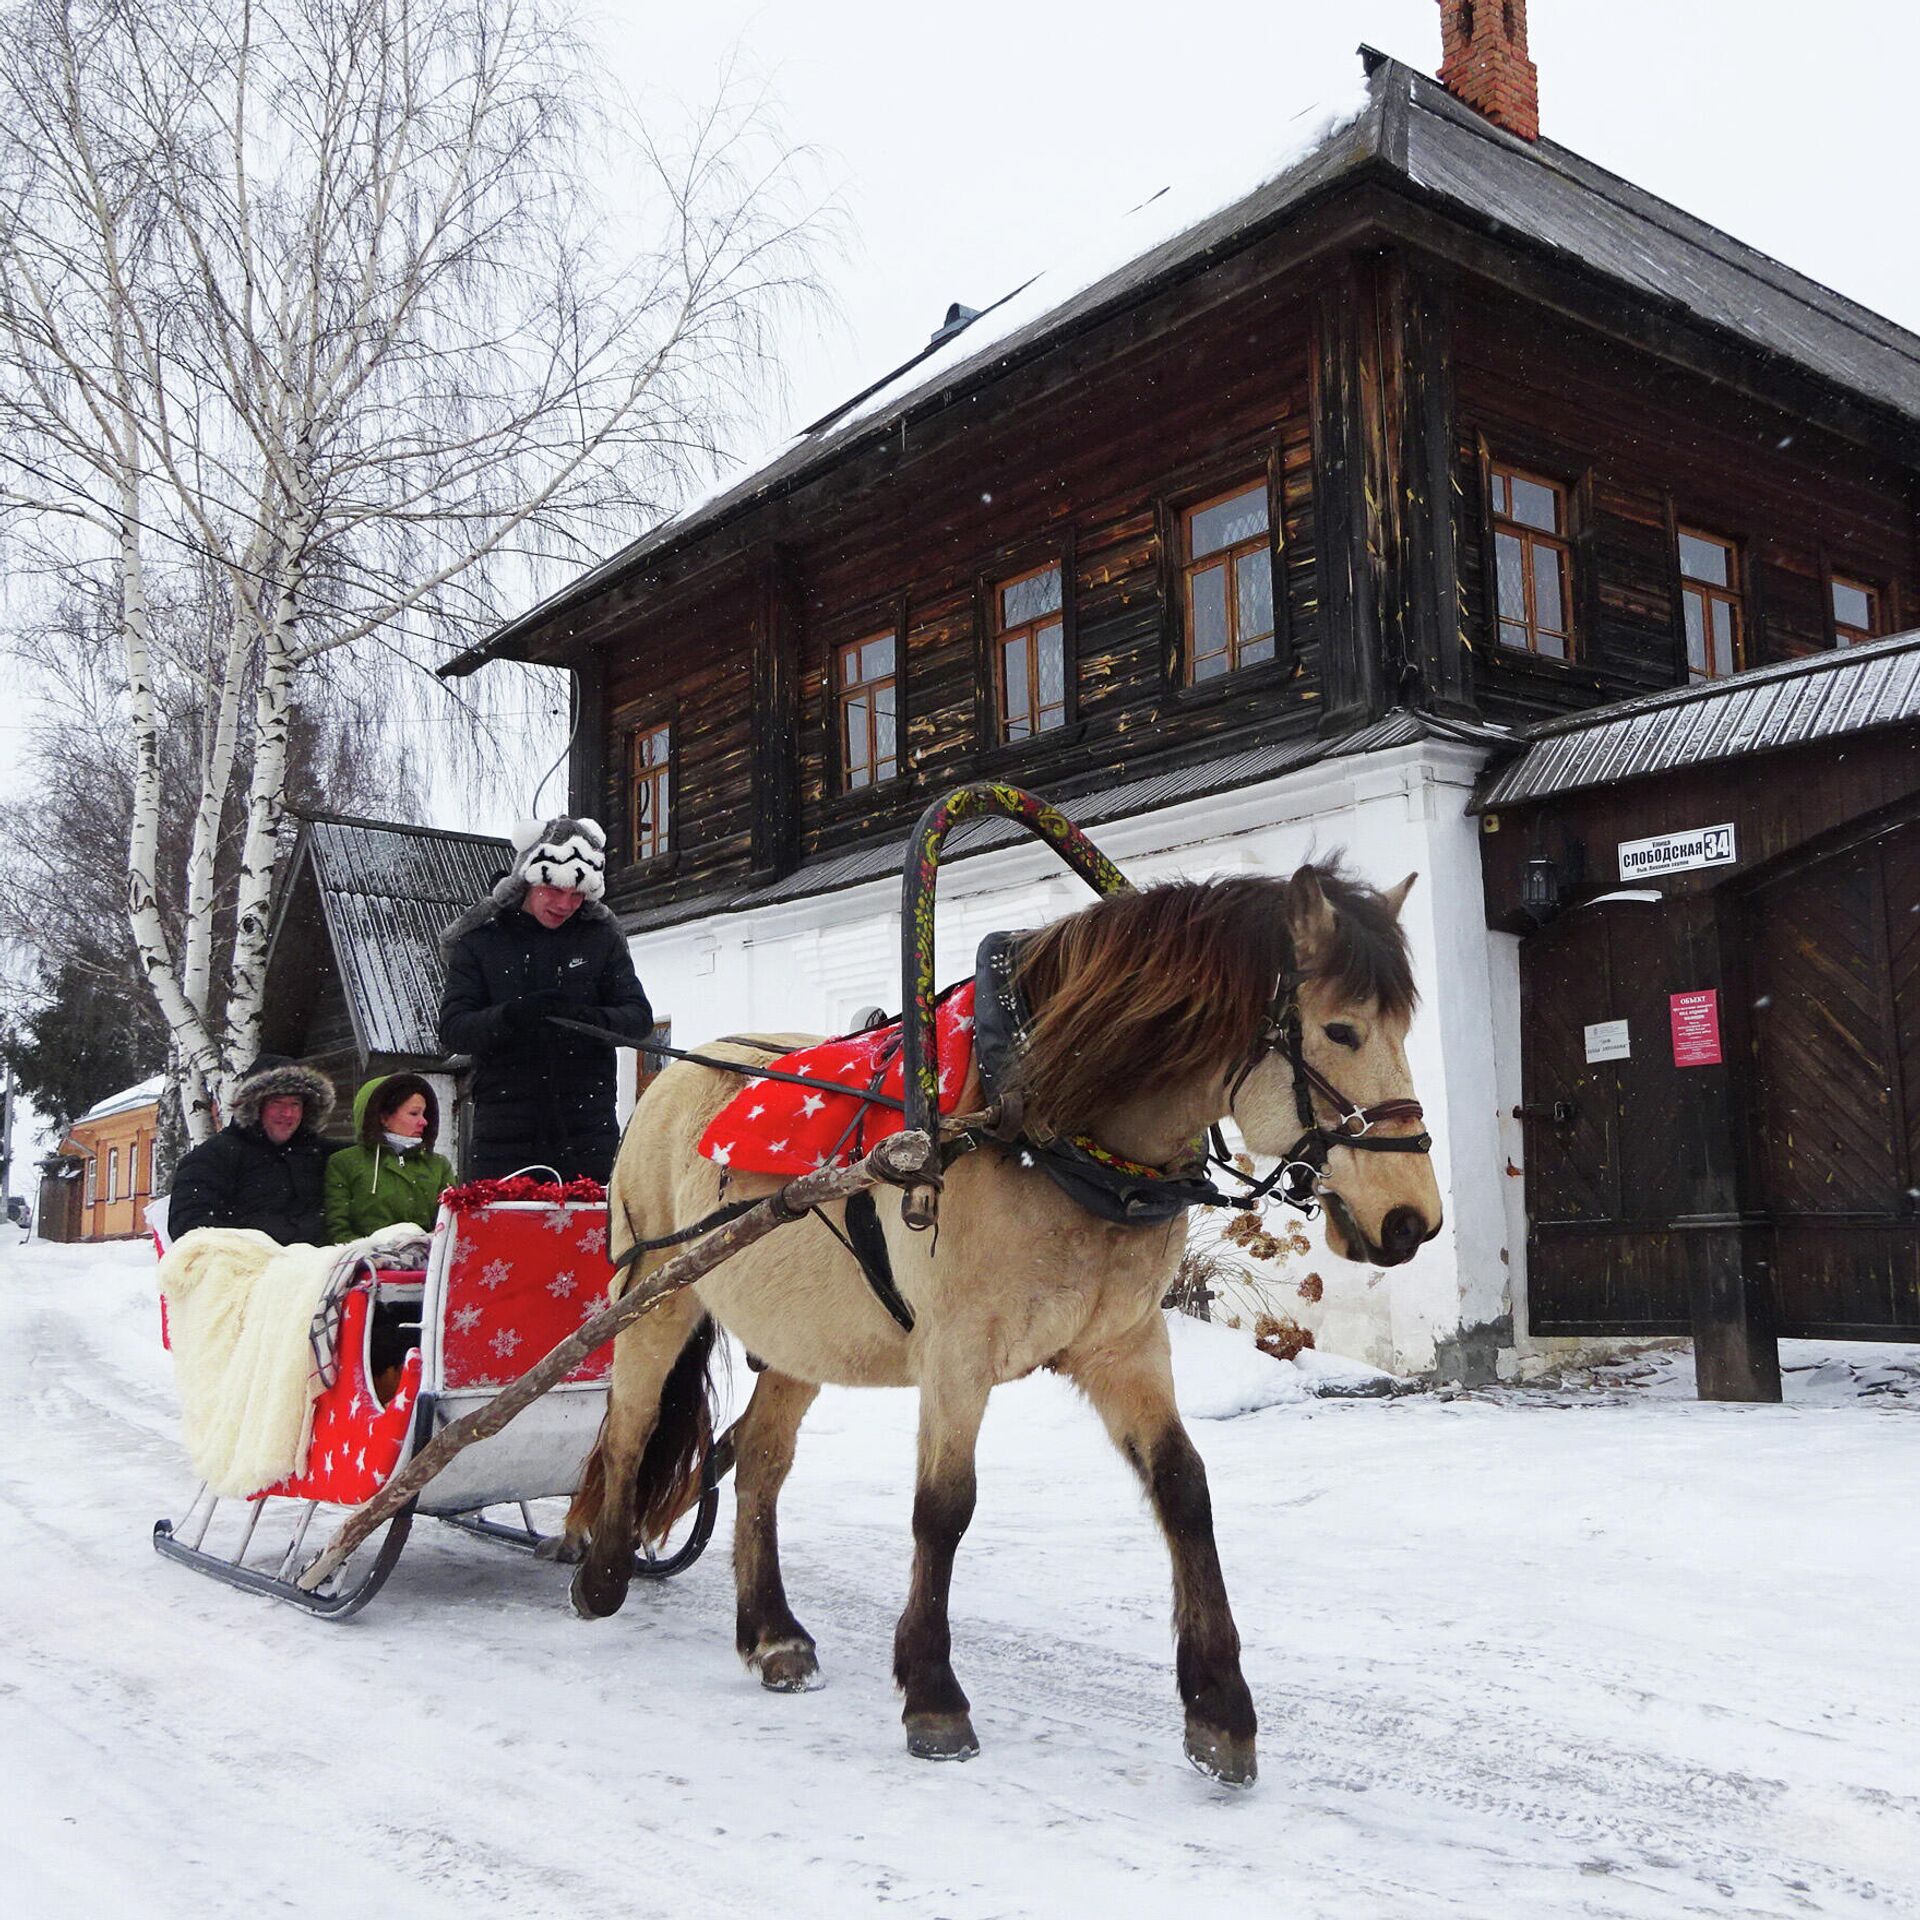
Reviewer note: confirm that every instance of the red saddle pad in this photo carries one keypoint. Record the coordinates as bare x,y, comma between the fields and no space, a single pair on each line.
771,1126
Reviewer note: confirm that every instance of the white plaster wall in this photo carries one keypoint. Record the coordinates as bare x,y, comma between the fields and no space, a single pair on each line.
809,966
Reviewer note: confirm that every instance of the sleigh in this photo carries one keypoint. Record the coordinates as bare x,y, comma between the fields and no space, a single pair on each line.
514,1268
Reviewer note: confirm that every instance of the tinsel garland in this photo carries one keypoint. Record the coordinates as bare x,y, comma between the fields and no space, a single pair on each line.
477,1194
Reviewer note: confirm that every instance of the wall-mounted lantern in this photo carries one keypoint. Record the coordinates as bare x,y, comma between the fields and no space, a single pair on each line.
1541,889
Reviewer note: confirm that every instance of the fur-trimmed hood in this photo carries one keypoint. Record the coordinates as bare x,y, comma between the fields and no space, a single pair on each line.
271,1076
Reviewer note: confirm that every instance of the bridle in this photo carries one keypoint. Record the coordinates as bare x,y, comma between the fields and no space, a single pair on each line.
1300,1179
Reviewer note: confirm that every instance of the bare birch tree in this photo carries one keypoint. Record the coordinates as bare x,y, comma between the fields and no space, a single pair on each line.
327,294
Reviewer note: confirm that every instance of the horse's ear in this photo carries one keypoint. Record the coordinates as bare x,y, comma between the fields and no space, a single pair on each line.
1309,918
1396,897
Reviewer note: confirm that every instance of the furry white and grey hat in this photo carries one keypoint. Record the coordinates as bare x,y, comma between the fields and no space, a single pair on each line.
562,852
566,851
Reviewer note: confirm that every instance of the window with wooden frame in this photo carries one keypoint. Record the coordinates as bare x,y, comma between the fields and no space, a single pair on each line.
1711,607
113,1173
649,792
866,680
1532,562
1856,611
1030,654
1226,547
648,1067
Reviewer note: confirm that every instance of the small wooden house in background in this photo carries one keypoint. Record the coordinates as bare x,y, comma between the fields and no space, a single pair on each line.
354,972
98,1185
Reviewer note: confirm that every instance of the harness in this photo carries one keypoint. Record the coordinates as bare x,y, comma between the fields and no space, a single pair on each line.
1125,1192
1112,1188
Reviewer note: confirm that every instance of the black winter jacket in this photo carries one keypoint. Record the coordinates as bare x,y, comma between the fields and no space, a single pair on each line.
542,1095
239,1178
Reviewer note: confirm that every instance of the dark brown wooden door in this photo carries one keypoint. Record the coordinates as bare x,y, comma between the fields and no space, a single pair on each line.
1836,974
1602,1179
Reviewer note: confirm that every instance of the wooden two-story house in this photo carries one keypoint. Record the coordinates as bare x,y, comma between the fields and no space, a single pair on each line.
1251,538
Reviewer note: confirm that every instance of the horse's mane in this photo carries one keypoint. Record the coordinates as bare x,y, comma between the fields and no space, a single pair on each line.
1147,989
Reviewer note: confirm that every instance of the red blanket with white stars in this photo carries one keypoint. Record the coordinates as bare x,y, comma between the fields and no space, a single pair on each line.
771,1126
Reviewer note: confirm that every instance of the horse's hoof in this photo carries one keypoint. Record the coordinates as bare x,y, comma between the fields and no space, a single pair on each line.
564,1549
597,1595
790,1667
941,1736
1225,1757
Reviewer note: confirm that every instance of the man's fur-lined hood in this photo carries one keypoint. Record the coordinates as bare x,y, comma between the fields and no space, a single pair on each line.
269,1079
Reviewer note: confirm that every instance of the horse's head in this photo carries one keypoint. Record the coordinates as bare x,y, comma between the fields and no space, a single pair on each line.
1333,1047
1156,1013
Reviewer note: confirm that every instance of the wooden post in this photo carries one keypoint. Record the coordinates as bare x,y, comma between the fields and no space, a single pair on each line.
587,755
1386,495
1422,495
776,679
898,1160
1724,1241
1350,469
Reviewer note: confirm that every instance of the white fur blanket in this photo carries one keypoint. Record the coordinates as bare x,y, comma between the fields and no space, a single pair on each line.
239,1310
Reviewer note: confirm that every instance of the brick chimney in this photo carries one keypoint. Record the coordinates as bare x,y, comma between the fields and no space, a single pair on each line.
1483,61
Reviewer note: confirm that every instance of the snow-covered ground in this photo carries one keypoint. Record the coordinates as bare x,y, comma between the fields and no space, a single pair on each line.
1592,1649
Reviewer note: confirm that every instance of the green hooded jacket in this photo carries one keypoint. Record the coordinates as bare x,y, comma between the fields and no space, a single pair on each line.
370,1186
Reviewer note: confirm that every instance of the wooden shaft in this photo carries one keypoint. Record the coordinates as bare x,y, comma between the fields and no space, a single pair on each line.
896,1161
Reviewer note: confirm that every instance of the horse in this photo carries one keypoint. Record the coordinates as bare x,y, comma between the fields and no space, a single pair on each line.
1154,1015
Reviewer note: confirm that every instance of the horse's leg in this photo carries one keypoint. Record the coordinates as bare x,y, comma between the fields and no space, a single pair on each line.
643,1356
1131,1387
952,1404
771,1641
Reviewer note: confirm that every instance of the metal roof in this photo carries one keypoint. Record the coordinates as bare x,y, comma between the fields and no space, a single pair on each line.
1828,696
1411,131
1222,774
386,892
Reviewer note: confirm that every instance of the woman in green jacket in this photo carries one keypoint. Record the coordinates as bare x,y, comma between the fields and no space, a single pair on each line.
391,1172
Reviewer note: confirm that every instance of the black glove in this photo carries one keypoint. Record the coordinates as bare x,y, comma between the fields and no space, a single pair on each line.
530,1011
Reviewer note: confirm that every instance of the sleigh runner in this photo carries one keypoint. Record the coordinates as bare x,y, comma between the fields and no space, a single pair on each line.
513,1268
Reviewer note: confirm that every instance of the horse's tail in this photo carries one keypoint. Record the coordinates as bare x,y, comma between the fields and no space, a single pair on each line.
667,1480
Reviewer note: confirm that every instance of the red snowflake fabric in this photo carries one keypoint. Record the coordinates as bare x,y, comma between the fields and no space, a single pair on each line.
356,1441
771,1126
520,1279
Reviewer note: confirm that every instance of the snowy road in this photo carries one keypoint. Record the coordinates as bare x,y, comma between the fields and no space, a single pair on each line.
1614,1654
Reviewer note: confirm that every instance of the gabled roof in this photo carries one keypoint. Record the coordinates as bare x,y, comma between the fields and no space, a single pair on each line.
386,891
1827,696
1409,131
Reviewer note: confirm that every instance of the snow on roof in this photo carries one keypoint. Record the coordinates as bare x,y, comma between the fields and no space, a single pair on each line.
1401,125
387,890
1151,223
144,1093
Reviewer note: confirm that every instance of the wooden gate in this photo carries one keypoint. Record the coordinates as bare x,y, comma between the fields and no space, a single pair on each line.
1830,947
1835,946
1601,1184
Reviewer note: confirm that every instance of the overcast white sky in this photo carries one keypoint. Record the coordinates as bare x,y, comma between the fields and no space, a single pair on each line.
971,144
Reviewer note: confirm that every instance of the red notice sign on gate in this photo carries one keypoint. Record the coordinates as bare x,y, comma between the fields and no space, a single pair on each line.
1696,1028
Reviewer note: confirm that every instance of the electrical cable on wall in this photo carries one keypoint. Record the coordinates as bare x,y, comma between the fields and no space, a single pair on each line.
573,727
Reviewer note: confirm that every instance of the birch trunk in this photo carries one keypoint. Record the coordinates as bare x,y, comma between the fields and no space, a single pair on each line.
197,1054
266,809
